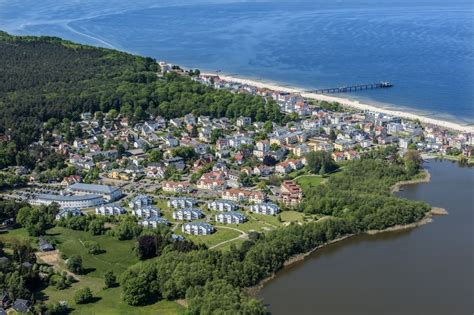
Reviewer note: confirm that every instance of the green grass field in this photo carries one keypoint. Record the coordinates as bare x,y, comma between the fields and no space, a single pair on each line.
309,181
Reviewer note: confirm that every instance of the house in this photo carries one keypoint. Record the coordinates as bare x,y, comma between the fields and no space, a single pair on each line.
241,195
214,180
266,208
110,209
338,156
21,306
187,214
230,217
291,193
5,300
222,205
351,155
153,222
263,170
243,121
176,187
146,211
177,162
198,228
68,180
288,166
182,202
45,246
68,212
155,171
140,201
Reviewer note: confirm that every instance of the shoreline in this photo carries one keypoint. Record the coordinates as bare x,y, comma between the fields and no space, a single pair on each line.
354,104
428,218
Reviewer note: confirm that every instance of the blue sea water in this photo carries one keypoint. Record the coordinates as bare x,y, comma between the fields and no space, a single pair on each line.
425,48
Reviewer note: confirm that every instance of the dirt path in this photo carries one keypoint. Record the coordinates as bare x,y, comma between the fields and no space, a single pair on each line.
242,235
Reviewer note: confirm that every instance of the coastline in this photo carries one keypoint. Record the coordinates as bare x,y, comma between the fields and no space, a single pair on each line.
349,103
428,218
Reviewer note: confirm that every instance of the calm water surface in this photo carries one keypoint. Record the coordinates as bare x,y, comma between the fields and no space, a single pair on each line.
426,270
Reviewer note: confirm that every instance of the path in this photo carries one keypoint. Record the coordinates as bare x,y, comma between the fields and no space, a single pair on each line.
242,235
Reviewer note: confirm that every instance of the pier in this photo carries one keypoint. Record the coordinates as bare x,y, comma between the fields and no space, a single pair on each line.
353,88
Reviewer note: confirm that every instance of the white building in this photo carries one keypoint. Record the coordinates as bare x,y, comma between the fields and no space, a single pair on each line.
146,211
68,212
109,193
182,202
68,201
187,214
110,209
198,228
230,217
267,208
222,205
140,201
153,222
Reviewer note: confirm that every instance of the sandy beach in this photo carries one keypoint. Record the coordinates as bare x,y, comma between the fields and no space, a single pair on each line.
352,104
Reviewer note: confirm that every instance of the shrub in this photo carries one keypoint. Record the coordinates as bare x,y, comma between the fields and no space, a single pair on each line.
83,296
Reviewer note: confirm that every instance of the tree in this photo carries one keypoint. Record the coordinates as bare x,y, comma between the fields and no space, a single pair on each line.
269,160
110,279
413,162
74,264
317,160
146,247
96,227
83,296
332,135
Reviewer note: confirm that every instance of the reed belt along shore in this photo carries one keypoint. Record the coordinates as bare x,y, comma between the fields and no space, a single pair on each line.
428,218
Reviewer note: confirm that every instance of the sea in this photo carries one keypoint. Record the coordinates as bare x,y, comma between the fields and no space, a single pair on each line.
424,48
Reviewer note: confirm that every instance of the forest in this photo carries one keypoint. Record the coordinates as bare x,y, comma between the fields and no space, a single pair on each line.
45,78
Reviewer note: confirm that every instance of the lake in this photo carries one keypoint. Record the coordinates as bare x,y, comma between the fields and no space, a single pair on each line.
424,47
425,270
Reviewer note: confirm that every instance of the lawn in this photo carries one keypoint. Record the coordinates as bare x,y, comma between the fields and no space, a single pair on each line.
118,256
309,181
220,235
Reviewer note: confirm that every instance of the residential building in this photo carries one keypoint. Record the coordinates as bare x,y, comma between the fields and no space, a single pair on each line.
146,211
187,214
231,217
68,212
266,208
198,228
222,205
110,209
182,202
140,201
242,195
153,222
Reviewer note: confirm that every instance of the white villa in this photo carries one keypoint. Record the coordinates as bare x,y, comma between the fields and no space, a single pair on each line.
222,205
182,202
68,212
110,209
267,208
153,222
140,201
146,211
187,214
231,217
198,228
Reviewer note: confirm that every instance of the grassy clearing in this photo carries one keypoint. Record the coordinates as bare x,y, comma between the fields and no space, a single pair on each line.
217,237
306,182
118,256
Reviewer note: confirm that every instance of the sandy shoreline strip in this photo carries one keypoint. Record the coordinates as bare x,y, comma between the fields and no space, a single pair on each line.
350,103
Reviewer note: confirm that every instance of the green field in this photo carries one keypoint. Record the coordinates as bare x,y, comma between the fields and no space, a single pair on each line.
117,257
309,181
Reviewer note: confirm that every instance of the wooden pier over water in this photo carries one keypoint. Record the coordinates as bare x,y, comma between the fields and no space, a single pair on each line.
353,88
